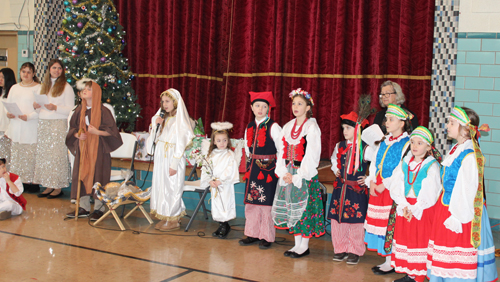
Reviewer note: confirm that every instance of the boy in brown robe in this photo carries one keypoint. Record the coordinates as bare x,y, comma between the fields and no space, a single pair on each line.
92,136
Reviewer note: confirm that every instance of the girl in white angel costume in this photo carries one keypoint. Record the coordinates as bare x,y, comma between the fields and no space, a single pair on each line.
220,172
168,139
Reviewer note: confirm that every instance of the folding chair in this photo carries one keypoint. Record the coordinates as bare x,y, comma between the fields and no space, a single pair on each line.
193,185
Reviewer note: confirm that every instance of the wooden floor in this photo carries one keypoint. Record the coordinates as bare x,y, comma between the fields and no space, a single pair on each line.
40,245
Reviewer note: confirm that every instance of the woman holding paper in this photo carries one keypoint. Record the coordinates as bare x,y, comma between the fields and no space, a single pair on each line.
23,126
7,80
56,100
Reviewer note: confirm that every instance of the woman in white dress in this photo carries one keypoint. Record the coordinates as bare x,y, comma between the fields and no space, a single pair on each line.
23,128
7,80
168,140
52,128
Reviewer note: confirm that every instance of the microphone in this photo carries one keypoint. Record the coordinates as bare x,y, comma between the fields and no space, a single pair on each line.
162,115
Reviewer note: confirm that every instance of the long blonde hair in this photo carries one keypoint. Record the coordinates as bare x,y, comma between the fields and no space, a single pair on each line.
60,83
173,112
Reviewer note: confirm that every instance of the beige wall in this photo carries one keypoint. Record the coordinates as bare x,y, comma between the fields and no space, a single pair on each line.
479,16
9,13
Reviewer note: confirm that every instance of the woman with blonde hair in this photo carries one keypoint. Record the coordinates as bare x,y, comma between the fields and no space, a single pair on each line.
51,149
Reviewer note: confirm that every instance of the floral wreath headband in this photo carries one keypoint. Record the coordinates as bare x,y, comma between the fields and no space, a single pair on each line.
304,93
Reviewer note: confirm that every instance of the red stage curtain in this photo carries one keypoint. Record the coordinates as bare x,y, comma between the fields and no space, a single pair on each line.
214,52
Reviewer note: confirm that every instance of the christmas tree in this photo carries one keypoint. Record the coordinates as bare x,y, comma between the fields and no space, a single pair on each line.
90,43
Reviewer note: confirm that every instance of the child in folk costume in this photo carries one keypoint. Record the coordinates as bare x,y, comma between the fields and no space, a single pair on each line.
461,243
261,142
12,201
220,172
91,138
415,188
298,205
169,138
385,159
350,195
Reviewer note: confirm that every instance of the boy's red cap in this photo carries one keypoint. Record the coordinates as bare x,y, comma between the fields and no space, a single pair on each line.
353,116
264,97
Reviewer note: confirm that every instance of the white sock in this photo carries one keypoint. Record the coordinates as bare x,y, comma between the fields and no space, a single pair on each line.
298,239
386,266
304,245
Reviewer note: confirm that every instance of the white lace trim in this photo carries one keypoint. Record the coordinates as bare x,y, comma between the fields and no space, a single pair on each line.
378,212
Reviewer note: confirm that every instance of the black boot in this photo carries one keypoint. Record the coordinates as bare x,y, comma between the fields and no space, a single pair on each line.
217,232
225,230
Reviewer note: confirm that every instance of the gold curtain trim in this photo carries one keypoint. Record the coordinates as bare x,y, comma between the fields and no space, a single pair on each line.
319,75
314,75
179,75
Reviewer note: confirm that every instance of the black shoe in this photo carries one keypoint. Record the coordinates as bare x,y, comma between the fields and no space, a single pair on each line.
42,195
405,279
381,272
81,213
55,196
287,253
96,215
217,232
375,268
340,257
248,241
31,188
264,244
224,230
352,259
295,255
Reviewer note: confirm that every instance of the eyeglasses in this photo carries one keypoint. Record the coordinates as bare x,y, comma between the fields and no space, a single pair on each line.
386,94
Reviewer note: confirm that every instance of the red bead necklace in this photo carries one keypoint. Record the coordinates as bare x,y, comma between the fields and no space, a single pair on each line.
295,134
417,168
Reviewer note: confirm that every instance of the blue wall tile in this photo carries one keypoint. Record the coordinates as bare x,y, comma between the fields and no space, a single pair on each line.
460,82
489,70
489,96
493,187
479,83
480,58
492,174
490,45
465,44
481,108
461,57
468,70
462,95
481,35
494,162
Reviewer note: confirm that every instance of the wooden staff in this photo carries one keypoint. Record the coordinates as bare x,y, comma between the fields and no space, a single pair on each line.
79,186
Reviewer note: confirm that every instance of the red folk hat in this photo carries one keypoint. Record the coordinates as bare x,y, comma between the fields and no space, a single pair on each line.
266,97
353,116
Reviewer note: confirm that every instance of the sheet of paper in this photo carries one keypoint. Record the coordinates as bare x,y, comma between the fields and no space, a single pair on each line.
12,108
372,134
42,100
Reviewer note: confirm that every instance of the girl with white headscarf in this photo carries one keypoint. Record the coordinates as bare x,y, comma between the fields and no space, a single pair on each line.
169,137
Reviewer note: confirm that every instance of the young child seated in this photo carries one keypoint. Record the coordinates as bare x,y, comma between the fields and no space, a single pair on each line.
12,201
